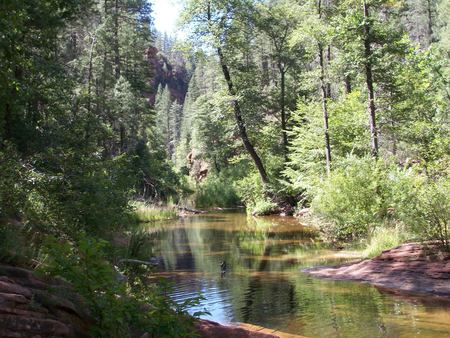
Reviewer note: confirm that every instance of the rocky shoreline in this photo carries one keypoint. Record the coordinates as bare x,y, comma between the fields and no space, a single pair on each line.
411,268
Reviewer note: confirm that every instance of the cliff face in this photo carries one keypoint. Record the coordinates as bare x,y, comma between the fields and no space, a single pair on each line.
175,77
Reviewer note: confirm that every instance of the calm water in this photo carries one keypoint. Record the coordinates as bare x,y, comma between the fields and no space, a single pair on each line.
263,284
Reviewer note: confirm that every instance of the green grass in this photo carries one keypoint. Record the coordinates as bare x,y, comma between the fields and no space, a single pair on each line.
383,239
151,213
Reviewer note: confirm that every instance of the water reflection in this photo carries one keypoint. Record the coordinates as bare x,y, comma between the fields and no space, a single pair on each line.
263,286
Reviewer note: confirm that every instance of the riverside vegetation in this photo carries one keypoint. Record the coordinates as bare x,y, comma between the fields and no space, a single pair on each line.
340,107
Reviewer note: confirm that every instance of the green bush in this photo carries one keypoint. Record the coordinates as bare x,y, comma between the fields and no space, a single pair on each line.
252,192
362,194
216,192
431,215
352,198
15,247
14,183
264,207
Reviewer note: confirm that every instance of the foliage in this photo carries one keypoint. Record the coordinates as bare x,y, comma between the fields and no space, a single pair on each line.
14,184
216,191
116,306
256,196
352,197
15,248
264,207
77,143
79,139
363,195
348,135
427,212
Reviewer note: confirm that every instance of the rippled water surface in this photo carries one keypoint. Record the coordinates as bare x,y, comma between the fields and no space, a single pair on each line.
263,284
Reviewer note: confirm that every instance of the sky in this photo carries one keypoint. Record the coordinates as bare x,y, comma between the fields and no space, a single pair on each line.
165,14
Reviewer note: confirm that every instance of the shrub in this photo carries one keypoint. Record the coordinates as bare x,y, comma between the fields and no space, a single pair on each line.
362,194
432,211
15,247
264,207
14,183
352,198
216,191
421,203
254,195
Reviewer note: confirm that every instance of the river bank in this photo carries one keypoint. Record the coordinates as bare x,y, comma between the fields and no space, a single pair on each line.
411,268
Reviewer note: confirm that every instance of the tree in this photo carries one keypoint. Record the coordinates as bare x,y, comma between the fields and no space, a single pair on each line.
314,32
221,20
277,21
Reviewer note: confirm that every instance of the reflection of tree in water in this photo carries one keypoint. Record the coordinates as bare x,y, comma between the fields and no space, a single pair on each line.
340,307
263,299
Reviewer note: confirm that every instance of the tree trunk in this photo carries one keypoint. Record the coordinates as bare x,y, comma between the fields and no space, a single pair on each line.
237,111
116,40
326,92
91,53
369,82
328,84
348,84
430,21
325,109
240,121
283,110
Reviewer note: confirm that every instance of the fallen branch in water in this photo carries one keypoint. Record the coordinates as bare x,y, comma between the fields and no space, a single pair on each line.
136,261
194,211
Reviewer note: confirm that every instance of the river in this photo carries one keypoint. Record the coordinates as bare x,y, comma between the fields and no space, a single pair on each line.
263,284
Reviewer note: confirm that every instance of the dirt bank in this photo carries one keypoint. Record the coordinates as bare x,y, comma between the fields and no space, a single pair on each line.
412,268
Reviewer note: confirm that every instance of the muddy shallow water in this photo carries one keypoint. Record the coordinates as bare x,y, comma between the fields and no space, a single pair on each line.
262,284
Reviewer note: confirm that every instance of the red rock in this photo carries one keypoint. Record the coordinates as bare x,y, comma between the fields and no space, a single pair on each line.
32,306
408,267
14,289
39,326
12,298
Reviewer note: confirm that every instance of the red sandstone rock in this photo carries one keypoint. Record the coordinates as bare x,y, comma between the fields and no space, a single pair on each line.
31,306
412,267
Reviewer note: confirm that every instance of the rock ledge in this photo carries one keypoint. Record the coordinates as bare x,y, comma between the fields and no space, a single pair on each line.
412,268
